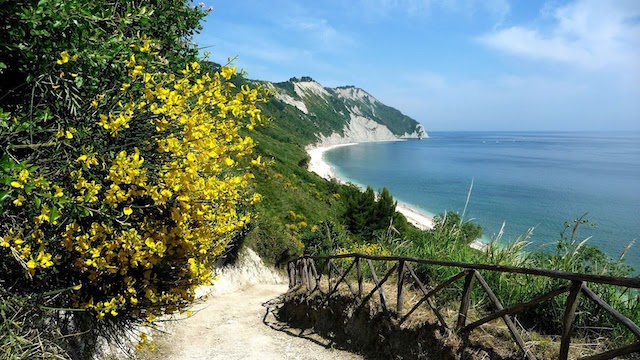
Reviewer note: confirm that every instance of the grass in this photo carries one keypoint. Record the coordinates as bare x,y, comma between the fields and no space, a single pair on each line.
20,335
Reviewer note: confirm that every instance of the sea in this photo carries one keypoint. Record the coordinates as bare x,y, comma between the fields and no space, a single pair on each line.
523,180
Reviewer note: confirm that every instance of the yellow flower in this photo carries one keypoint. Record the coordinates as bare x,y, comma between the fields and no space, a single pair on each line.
127,211
64,58
59,192
227,72
24,174
132,61
229,161
76,287
18,201
94,104
31,264
17,184
146,47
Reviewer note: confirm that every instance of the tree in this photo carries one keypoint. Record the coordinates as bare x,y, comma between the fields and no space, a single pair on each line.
365,214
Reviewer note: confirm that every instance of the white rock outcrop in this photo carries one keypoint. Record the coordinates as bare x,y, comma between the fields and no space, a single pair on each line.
287,99
359,129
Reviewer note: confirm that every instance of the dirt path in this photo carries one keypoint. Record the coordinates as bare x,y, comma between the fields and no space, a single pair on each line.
236,323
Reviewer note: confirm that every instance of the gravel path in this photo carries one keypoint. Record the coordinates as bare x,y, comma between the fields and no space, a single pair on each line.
236,323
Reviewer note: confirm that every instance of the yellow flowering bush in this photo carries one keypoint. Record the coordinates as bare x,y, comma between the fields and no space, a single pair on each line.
366,248
148,193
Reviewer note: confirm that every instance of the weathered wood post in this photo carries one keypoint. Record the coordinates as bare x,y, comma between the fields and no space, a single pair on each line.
400,299
359,274
383,298
300,271
305,274
466,299
569,316
329,273
316,277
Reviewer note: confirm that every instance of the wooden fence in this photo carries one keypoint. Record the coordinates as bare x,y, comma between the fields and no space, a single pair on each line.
303,273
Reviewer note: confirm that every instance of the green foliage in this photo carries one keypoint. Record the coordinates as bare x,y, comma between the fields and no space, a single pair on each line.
98,109
328,238
464,231
365,214
273,242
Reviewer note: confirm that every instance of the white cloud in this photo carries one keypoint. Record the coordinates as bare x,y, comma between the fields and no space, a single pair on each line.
320,32
590,34
379,8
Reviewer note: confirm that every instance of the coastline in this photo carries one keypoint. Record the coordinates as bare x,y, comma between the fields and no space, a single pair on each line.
318,165
421,220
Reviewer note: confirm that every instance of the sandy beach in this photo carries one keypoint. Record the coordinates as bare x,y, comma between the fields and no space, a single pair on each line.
422,221
318,165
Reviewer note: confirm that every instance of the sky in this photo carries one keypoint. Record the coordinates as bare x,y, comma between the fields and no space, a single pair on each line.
450,64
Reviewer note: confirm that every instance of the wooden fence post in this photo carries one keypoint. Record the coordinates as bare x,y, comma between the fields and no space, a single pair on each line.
569,316
400,299
359,274
329,262
305,274
466,299
301,272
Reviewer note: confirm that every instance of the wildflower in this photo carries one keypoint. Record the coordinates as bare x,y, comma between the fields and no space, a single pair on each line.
24,174
227,72
64,58
146,47
58,191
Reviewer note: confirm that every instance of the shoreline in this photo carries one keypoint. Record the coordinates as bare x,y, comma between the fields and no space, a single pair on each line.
419,219
318,165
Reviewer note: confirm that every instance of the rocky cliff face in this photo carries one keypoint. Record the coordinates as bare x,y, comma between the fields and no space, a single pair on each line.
345,114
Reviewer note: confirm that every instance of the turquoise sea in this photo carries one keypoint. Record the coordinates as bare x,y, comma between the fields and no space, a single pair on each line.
526,179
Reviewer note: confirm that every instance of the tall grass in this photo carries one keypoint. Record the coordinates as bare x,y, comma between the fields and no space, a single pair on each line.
569,253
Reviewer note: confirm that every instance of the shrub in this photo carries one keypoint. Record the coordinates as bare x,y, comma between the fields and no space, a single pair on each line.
124,174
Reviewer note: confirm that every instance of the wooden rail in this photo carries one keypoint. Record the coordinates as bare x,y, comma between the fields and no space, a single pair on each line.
303,273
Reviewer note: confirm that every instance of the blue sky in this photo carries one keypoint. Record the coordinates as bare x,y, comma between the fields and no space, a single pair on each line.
450,64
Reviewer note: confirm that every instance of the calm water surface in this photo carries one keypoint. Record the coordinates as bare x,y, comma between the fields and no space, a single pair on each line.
529,179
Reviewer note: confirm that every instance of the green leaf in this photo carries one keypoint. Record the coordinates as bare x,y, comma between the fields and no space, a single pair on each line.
53,216
4,194
37,201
